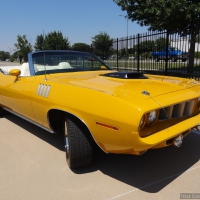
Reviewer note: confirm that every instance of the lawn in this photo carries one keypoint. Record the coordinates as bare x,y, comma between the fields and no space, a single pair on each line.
152,65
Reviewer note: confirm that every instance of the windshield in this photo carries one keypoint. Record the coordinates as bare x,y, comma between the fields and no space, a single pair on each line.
66,61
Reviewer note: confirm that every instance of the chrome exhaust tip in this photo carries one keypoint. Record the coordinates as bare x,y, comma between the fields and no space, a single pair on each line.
177,141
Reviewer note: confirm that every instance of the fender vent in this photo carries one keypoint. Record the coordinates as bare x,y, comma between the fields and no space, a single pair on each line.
43,90
126,75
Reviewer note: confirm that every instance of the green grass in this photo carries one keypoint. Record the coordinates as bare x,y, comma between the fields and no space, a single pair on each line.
151,65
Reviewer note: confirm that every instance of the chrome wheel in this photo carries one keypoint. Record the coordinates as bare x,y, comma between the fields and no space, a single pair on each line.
66,139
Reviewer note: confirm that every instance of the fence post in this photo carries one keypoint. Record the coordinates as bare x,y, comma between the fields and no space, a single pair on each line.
91,50
138,53
117,54
167,45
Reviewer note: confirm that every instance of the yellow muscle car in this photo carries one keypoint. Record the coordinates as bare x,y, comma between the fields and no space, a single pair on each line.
78,95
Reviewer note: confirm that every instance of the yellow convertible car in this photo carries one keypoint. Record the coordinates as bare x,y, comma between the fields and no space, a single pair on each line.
78,95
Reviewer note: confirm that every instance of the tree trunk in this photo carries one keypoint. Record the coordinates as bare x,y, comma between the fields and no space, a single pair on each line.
190,68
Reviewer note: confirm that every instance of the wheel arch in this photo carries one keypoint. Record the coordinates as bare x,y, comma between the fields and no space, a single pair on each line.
56,120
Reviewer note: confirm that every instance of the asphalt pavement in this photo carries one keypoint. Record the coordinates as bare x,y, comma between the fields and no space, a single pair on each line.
4,63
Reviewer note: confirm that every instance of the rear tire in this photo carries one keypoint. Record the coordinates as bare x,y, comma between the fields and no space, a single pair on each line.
174,59
78,144
156,59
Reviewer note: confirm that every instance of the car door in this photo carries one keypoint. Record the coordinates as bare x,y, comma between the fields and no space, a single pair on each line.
16,94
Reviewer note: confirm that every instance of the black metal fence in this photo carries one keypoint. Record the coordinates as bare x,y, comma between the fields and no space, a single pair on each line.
138,53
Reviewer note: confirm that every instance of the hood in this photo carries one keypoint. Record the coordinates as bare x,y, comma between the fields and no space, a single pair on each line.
152,85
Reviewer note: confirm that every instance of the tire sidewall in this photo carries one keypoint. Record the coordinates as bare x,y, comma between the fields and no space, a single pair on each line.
80,144
2,111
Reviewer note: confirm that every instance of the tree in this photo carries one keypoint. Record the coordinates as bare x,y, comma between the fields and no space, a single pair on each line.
102,44
175,16
39,44
160,44
123,52
15,55
80,47
4,55
23,47
145,46
52,41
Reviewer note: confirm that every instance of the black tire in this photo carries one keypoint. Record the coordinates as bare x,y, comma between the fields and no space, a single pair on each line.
184,60
2,111
174,59
156,59
78,144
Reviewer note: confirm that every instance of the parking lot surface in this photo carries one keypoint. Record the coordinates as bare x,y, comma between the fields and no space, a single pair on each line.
33,167
3,63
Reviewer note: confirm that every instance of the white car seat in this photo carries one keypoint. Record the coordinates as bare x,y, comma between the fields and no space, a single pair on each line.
25,70
64,65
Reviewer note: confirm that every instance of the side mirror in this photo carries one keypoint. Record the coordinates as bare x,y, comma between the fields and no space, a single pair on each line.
103,67
15,72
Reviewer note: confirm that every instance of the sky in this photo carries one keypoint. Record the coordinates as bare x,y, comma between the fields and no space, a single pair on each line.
78,20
